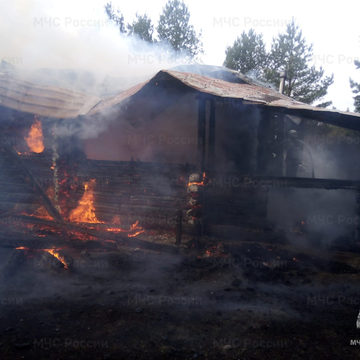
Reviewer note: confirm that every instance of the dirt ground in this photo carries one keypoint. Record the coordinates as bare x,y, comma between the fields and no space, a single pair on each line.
230,300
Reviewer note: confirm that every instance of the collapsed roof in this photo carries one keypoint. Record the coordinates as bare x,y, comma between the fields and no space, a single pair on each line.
42,100
60,103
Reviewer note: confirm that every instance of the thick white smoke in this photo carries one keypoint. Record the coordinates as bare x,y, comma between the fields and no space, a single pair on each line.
55,35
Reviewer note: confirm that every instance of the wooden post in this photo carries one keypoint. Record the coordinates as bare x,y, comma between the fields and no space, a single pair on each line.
264,132
201,133
211,154
194,213
283,150
179,217
46,201
357,230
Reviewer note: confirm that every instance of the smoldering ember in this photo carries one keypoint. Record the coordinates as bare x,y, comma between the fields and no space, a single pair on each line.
196,215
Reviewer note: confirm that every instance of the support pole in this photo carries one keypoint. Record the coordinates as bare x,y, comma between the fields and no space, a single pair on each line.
357,230
179,218
201,133
211,155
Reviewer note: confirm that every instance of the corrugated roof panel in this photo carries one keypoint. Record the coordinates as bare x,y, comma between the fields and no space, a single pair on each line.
61,103
248,92
43,100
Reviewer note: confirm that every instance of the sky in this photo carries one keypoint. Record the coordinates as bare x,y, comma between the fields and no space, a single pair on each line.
75,33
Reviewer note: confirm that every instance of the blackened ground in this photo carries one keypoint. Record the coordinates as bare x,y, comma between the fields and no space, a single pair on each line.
231,300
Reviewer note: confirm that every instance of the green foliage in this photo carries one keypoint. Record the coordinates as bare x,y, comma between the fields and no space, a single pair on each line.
142,27
290,53
325,104
115,16
247,54
175,29
356,89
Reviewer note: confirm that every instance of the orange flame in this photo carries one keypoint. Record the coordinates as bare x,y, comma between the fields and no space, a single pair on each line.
56,254
135,229
35,138
42,213
53,252
85,211
199,183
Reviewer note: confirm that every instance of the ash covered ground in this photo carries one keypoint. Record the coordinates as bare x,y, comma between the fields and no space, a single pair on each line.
232,299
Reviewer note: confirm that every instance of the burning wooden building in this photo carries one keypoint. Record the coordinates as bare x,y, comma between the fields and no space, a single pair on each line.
184,152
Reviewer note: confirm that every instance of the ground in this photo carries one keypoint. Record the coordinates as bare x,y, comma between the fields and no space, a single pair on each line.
230,300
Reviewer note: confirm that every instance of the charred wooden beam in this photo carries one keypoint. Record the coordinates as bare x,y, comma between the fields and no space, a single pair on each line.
201,133
211,154
12,238
47,202
179,219
57,234
357,230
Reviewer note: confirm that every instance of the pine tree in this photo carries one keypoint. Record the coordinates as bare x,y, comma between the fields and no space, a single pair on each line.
115,16
175,29
290,53
142,27
247,54
356,89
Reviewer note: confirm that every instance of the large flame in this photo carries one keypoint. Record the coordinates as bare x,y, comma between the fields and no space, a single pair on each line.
35,139
85,211
57,255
